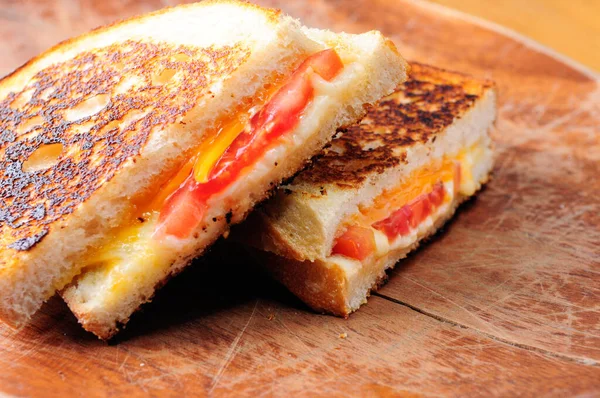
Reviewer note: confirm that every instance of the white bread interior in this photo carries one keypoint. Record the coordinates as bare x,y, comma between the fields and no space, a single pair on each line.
301,223
277,44
373,68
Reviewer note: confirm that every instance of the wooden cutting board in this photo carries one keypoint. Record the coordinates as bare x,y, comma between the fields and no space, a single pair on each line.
505,301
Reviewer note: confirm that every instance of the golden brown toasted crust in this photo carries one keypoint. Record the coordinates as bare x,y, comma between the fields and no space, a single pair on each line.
272,15
422,107
94,147
320,287
30,202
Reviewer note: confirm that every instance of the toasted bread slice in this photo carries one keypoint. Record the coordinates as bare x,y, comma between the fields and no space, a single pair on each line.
434,120
98,124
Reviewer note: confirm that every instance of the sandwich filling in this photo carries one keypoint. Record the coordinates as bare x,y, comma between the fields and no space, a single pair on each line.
240,144
183,205
393,219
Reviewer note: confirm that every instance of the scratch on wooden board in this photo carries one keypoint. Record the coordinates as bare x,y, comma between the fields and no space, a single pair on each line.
37,344
124,360
168,371
511,278
143,382
542,352
232,352
309,351
470,313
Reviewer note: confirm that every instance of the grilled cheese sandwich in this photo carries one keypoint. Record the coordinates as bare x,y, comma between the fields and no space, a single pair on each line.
132,139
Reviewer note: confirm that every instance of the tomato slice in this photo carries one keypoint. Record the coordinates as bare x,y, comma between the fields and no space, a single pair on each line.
436,197
326,64
421,208
357,242
411,215
398,223
279,116
183,213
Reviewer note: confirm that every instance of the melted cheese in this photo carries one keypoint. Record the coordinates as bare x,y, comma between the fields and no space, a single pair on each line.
468,160
212,150
115,268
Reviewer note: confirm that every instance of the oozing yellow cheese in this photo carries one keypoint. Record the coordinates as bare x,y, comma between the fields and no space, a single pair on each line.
469,158
212,150
128,260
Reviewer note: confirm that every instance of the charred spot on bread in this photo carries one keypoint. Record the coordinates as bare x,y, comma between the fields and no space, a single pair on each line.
27,243
101,106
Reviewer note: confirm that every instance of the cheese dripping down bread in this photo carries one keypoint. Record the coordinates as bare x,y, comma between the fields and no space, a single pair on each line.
377,191
127,151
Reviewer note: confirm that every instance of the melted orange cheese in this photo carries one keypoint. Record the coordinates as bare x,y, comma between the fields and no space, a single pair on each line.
211,150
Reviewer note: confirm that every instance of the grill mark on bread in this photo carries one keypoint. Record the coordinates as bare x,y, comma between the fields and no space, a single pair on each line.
422,107
94,146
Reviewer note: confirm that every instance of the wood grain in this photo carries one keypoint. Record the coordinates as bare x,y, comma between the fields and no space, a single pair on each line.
258,340
504,302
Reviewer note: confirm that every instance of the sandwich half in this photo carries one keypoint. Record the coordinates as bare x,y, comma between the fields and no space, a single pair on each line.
124,153
378,190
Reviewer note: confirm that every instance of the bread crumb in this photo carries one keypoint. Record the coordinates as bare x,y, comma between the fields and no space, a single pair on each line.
343,335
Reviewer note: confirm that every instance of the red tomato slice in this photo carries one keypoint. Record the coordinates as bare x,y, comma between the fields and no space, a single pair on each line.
280,115
436,197
396,224
421,208
357,242
411,215
326,64
181,212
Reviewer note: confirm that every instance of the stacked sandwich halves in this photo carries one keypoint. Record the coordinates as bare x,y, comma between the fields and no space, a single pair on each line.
126,152
378,190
